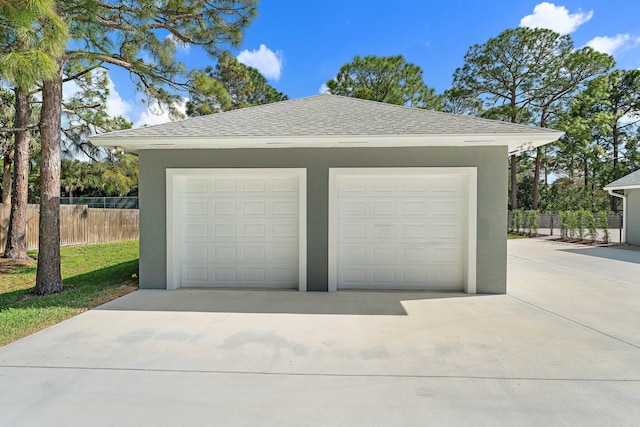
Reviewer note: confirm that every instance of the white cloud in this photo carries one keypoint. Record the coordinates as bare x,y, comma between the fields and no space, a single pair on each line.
610,45
69,89
556,18
268,62
324,88
116,106
155,114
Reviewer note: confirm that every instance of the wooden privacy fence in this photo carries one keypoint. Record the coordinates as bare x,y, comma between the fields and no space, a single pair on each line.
79,225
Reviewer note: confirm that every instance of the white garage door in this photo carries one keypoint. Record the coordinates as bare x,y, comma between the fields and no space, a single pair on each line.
237,228
400,228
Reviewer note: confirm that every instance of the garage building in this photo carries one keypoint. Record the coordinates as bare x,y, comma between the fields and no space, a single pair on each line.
325,193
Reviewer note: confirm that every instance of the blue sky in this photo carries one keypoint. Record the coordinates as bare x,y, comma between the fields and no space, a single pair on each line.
299,45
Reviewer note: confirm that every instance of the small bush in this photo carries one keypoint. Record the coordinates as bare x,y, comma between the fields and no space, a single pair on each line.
517,217
592,229
562,215
572,224
533,222
582,222
604,224
525,222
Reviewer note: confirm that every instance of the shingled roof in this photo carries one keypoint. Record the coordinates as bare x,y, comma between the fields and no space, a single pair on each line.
628,181
317,120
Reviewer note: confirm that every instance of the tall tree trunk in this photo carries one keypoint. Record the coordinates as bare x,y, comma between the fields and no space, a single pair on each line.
514,159
48,276
514,182
614,200
16,247
6,177
586,173
546,167
536,180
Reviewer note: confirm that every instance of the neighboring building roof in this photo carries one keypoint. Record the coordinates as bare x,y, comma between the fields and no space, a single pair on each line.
626,182
327,120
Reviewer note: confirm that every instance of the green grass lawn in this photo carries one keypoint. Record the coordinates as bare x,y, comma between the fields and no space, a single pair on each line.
92,275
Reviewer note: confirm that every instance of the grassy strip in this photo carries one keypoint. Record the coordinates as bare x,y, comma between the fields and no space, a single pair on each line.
516,236
92,275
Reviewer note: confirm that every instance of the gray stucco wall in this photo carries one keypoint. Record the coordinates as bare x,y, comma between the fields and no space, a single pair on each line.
492,200
633,216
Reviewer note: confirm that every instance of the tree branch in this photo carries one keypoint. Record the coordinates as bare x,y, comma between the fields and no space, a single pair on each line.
81,107
13,130
80,74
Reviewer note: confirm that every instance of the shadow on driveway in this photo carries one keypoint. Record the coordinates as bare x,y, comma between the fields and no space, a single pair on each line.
612,253
276,302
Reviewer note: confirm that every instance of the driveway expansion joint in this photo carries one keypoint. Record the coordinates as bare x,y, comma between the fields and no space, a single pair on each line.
330,375
573,270
575,321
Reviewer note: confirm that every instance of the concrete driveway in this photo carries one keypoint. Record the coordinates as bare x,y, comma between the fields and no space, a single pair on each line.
562,348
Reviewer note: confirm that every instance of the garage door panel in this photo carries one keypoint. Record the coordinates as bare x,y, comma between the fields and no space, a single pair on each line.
284,208
352,208
225,275
438,208
191,207
224,185
224,253
353,276
194,185
444,230
253,207
253,185
196,275
223,207
222,230
411,278
196,230
253,231
284,275
253,254
446,278
451,185
196,252
351,184
286,185
383,255
414,254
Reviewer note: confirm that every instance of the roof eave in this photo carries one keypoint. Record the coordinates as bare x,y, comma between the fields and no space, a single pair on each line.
622,187
515,142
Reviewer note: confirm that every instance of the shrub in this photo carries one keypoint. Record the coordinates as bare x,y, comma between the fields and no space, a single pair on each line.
533,222
592,229
564,220
517,216
604,224
524,221
582,222
572,224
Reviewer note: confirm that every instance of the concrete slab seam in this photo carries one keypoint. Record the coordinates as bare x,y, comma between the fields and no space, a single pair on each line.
328,375
575,321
